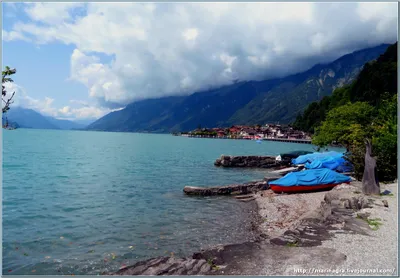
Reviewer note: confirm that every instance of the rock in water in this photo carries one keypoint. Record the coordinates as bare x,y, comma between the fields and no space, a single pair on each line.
251,161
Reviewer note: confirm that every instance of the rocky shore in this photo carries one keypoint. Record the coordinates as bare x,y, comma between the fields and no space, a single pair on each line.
335,230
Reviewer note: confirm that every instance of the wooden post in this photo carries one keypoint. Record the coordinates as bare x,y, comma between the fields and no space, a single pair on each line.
370,183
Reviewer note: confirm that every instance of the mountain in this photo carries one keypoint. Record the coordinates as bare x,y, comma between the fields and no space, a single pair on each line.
376,82
65,124
84,122
28,118
247,102
284,102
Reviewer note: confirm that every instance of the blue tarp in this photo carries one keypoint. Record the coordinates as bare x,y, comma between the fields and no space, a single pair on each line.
330,160
302,159
311,178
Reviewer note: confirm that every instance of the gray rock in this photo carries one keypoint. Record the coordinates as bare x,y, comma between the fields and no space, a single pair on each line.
247,161
167,266
244,188
217,162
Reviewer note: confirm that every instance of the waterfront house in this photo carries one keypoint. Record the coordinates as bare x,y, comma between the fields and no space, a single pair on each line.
269,131
295,135
248,132
234,130
281,134
260,135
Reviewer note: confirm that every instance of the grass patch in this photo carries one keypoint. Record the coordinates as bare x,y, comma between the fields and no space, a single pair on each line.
211,263
292,244
357,192
374,223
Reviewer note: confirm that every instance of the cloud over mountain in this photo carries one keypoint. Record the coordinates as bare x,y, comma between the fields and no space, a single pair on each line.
46,105
169,49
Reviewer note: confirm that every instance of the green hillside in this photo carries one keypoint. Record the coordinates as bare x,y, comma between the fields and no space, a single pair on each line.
365,109
377,81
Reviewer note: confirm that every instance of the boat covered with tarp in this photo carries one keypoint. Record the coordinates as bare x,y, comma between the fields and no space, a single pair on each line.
308,180
291,155
329,160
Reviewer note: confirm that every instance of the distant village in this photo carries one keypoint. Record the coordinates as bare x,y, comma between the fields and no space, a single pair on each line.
258,132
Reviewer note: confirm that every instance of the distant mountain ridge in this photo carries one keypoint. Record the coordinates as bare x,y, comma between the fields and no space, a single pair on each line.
28,118
285,101
248,102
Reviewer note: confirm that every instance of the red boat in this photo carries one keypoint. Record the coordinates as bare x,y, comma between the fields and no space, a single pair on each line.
304,188
308,181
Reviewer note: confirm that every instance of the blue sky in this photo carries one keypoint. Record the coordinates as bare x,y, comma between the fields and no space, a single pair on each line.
41,69
83,60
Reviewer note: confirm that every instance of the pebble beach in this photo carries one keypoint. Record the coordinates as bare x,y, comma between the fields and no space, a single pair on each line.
374,253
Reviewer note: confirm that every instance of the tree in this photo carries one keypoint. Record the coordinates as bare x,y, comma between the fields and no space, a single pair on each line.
347,125
351,124
384,141
6,102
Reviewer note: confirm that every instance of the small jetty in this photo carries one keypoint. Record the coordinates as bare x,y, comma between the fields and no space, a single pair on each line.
233,189
250,161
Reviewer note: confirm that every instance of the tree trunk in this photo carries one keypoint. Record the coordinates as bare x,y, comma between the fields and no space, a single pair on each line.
370,183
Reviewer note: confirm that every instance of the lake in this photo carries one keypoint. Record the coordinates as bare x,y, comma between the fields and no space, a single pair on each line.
79,202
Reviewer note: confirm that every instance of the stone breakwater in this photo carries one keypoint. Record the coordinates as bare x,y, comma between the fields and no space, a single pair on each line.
245,188
250,161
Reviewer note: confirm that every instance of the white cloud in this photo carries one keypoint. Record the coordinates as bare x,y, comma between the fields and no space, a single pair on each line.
12,36
49,13
46,106
190,34
178,48
22,99
87,112
80,102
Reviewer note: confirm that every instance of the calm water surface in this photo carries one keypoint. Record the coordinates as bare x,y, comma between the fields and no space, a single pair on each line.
86,202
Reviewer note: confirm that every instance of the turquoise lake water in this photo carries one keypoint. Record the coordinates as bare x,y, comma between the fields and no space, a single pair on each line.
86,202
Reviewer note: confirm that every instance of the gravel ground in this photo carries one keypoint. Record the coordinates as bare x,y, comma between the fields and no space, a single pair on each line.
281,212
377,251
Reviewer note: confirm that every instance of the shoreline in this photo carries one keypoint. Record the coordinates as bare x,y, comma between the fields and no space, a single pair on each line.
294,233
287,140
